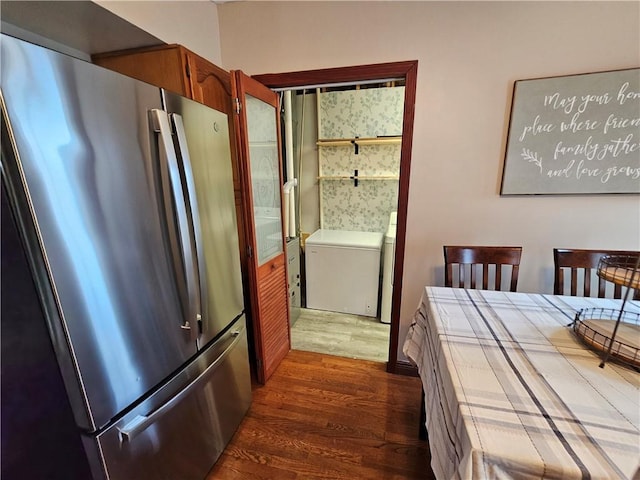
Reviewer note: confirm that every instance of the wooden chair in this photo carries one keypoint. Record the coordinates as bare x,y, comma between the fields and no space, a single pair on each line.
582,265
462,265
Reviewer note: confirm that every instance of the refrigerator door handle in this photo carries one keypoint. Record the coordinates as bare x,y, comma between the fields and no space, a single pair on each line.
183,150
185,259
141,422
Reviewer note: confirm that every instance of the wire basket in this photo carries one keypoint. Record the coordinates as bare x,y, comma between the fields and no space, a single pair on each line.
619,269
595,327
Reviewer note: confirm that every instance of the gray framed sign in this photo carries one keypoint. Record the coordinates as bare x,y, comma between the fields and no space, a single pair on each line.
576,134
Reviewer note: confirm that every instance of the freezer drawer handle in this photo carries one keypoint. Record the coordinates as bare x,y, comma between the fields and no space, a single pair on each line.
142,422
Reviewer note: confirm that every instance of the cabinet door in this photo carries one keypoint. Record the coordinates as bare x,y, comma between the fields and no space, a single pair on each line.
209,84
257,121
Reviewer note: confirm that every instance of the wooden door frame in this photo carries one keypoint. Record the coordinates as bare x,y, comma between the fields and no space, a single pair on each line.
407,70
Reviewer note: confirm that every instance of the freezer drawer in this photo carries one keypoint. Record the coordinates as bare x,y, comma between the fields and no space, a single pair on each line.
181,430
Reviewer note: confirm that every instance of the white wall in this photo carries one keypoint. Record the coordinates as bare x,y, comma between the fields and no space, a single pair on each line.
193,24
469,54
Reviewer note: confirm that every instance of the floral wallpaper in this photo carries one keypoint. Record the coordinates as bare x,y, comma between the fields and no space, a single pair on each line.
365,113
364,208
382,160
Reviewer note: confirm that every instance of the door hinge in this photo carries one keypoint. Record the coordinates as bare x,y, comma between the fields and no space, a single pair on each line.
187,70
259,364
238,105
249,251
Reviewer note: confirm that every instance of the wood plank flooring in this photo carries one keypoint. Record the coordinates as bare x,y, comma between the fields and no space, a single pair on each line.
341,334
326,417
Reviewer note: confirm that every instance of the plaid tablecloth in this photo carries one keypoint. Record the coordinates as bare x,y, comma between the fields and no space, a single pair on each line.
510,392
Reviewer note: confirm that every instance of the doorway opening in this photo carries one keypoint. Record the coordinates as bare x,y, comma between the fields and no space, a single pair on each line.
340,79
345,145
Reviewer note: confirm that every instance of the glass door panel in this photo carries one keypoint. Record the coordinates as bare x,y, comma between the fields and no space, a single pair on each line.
265,178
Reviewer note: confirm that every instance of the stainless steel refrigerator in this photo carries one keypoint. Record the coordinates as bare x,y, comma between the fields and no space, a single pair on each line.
120,197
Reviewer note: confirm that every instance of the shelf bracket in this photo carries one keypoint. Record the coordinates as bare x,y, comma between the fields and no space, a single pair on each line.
354,177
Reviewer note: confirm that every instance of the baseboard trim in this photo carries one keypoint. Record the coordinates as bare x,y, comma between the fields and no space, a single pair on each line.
405,368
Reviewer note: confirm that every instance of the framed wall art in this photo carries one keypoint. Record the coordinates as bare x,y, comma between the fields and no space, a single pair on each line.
576,134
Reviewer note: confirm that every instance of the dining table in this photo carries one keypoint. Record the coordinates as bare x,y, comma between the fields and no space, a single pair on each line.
512,392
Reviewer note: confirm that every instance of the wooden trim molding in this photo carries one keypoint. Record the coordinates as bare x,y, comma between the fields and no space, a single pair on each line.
407,70
360,73
407,369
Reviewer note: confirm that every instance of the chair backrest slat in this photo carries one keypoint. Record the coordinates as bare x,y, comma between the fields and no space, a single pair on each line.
583,264
491,260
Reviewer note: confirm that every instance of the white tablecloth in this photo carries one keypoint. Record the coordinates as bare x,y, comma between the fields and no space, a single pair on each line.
510,392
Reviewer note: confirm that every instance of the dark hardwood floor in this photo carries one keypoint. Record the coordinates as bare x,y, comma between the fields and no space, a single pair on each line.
326,417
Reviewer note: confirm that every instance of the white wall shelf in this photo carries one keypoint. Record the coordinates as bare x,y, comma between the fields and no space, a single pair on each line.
363,177
346,142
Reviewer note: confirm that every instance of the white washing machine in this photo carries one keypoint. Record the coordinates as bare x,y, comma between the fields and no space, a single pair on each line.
387,268
342,271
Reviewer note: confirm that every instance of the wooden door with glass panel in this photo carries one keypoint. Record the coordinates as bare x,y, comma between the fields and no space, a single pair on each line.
257,119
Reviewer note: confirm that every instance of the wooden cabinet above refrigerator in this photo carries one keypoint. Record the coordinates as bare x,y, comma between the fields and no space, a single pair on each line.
175,68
